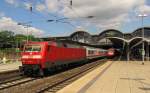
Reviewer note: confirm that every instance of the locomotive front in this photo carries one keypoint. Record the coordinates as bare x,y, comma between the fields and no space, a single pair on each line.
32,58
111,52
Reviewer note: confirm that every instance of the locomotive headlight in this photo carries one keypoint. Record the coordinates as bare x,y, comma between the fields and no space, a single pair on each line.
37,56
25,56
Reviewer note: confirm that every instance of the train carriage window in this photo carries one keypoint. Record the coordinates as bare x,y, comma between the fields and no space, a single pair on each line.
91,51
88,51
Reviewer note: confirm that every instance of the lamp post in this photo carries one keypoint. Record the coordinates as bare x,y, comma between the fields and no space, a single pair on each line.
143,50
26,25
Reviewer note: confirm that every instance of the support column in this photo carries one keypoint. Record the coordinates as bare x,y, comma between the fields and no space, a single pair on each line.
148,51
128,52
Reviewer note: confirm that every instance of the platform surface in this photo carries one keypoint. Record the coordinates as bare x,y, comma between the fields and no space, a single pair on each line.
119,77
10,66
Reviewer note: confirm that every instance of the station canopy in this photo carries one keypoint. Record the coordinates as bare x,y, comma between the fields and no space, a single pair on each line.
110,36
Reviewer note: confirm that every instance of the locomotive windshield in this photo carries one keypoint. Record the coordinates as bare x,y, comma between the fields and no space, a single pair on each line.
32,48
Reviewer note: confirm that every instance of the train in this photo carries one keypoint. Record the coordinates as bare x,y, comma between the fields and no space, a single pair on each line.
40,57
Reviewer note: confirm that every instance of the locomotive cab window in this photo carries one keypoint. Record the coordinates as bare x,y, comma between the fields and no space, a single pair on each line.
32,48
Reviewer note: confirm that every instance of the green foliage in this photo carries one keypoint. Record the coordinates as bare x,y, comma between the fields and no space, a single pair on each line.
20,37
16,40
6,37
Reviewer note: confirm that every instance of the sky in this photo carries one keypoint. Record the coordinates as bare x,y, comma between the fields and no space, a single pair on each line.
49,18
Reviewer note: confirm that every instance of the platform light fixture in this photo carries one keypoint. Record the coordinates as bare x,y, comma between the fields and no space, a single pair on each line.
143,50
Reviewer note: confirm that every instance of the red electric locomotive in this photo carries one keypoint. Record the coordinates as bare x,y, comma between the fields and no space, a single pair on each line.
40,56
112,52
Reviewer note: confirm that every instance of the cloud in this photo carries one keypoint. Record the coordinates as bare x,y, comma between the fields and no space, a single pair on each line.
11,25
40,7
12,2
27,5
144,9
52,5
106,13
2,14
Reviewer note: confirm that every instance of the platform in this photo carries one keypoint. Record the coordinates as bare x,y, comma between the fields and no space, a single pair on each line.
114,77
9,66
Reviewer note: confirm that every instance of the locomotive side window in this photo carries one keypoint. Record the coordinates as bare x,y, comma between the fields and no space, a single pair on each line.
32,48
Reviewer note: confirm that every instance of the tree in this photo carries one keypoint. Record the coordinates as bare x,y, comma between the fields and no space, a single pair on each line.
6,38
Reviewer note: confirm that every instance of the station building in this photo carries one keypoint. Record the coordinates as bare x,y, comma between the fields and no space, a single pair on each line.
130,44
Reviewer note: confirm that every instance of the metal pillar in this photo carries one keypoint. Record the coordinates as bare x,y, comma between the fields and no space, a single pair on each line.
128,52
143,50
148,51
27,34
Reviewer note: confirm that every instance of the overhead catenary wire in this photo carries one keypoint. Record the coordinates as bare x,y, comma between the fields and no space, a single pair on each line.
64,18
44,17
31,9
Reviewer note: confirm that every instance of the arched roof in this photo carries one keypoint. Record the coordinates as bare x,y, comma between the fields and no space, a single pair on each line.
81,36
117,41
140,29
138,32
108,30
79,32
110,33
135,41
118,38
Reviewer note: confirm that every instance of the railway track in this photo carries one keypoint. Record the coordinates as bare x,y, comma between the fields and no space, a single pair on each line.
15,82
9,76
51,83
